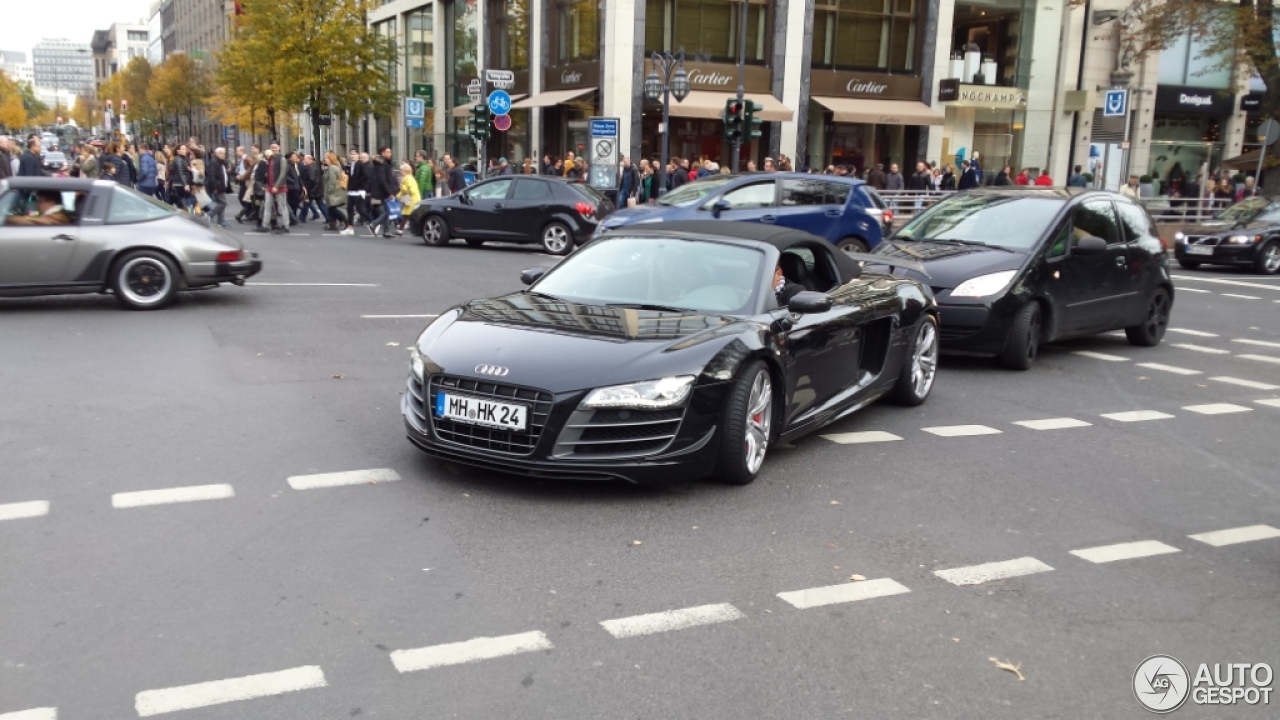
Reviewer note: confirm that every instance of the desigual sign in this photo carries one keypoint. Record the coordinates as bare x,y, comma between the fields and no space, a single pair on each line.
1194,101
872,86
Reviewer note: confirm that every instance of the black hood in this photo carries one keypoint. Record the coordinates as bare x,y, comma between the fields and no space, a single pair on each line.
949,265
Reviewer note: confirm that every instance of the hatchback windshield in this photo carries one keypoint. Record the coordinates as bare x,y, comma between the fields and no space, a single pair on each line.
1004,220
694,191
667,273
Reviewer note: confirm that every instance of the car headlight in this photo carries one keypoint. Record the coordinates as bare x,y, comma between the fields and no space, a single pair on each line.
984,285
1243,239
648,395
418,364
1179,236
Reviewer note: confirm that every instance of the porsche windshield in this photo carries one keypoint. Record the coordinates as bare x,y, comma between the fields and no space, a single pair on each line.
1004,220
659,273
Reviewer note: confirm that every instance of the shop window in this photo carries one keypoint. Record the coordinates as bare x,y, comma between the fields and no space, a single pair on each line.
707,30
577,30
509,32
864,34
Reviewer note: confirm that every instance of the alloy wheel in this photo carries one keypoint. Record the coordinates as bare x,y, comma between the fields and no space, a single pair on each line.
759,421
1158,316
924,364
1271,258
431,231
555,238
144,280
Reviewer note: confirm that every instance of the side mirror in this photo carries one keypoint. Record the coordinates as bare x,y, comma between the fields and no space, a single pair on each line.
1090,245
718,207
464,198
809,302
529,276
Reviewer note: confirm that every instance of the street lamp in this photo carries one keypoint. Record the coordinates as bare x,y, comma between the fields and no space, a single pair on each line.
667,78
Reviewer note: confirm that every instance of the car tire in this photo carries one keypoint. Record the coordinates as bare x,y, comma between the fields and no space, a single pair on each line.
747,426
1188,264
1151,330
852,245
474,242
144,280
920,367
557,239
1024,339
435,231
1268,260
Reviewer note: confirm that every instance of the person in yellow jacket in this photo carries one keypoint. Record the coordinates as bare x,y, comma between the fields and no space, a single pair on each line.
409,195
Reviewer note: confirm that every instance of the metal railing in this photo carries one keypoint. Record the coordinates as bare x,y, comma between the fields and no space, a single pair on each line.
905,204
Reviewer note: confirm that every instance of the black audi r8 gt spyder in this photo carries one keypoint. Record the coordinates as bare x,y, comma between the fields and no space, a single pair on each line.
660,353
550,211
1245,234
1014,268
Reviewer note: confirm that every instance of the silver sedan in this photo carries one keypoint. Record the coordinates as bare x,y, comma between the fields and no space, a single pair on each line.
69,235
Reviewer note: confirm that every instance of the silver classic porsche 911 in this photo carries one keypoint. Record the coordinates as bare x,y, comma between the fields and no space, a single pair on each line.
67,235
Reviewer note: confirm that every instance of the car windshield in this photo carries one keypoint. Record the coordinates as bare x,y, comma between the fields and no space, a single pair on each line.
1245,210
694,192
55,156
656,273
1003,220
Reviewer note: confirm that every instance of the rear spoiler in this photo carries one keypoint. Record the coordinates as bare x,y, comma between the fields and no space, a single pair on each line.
868,259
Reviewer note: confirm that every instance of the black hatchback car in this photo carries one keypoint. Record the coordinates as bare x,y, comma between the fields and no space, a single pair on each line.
550,211
1247,234
1014,268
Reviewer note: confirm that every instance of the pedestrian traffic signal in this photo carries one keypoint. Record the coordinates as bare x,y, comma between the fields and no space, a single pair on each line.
479,123
733,109
751,122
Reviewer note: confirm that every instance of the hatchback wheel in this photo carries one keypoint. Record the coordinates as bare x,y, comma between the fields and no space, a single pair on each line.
145,280
1151,330
747,427
852,245
435,231
1268,262
1024,339
920,367
556,239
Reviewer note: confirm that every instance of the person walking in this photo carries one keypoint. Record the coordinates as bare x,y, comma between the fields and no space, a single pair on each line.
148,183
313,202
968,176
1004,178
217,183
628,184
948,180
409,196
457,181
180,177
894,181
357,180
335,195
249,204
383,186
876,178
293,188
6,159
29,165
1076,178
424,174
277,191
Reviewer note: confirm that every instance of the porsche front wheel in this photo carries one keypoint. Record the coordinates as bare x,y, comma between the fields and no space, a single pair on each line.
920,365
747,426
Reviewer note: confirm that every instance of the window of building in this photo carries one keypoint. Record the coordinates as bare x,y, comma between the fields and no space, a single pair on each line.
707,30
864,34
577,31
419,45
509,31
1185,62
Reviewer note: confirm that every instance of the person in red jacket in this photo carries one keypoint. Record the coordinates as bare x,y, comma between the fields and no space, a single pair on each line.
1022,178
1043,180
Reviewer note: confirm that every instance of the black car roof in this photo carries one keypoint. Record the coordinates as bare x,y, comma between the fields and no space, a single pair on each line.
53,183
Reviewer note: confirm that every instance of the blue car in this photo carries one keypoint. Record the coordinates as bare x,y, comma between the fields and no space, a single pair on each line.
847,212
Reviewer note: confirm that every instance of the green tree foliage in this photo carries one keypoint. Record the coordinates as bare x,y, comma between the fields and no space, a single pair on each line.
32,103
13,114
180,85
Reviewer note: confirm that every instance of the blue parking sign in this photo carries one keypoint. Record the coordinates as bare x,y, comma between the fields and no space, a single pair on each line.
1115,103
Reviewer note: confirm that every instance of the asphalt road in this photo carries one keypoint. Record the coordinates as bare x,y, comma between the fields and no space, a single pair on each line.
303,600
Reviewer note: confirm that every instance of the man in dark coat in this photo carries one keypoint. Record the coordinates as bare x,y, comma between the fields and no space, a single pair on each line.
457,180
968,176
217,181
30,164
383,187
876,178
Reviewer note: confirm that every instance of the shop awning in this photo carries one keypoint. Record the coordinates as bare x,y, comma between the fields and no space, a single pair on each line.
465,110
881,112
1246,161
552,98
710,106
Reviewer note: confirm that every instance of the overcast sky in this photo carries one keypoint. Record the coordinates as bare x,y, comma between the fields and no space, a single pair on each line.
27,22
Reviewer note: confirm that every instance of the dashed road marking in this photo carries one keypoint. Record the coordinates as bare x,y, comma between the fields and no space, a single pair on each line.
843,593
1246,383
1201,349
1053,423
1170,369
1261,358
1232,536
271,284
1271,403
1217,409
654,623
20,510
961,430
339,479
1194,290
1259,343
1238,283
1241,297
1195,333
192,493
857,438
978,574
1124,551
394,317
187,697
1136,415
469,651
1100,356
44,713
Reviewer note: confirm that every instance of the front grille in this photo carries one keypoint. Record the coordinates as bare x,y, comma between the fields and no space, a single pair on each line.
503,441
951,332
1202,240
618,433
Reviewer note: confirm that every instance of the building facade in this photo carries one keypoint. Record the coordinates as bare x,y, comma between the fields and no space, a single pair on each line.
15,65
63,65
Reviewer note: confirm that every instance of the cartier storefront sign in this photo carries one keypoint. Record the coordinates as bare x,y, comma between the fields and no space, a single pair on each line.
571,76
718,77
871,86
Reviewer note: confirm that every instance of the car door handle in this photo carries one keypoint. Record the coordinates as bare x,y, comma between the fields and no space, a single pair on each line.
497,206
1120,261
64,238
833,212
768,219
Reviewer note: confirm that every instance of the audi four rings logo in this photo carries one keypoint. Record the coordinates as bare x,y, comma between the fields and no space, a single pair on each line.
494,370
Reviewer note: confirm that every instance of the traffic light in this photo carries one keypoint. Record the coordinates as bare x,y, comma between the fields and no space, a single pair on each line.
480,122
733,121
751,123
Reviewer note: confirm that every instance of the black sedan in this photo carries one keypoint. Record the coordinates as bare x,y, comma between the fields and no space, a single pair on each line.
1247,234
54,161
1016,268
514,208
661,353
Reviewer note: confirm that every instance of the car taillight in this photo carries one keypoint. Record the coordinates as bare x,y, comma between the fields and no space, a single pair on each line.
230,256
585,209
888,217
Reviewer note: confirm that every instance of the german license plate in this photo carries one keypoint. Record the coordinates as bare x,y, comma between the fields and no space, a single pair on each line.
1199,249
478,411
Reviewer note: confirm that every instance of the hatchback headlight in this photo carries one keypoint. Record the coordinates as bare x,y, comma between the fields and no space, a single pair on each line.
648,395
1243,239
418,364
984,285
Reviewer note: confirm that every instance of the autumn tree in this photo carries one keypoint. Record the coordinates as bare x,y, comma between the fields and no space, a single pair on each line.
13,114
85,113
179,85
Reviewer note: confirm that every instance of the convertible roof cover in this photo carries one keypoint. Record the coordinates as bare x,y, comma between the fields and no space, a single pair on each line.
779,237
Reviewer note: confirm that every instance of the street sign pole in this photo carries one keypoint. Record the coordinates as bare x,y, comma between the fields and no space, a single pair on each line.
742,72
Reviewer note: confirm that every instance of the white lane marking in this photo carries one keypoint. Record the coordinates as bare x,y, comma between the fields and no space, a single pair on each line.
671,620
978,574
1238,283
1124,551
843,593
17,511
961,430
1099,356
1232,536
44,713
857,438
1246,383
1241,297
1136,415
1272,403
1053,423
468,651
271,284
1261,358
216,692
1195,333
1194,290
394,317
1169,369
192,493
1201,348
1260,343
338,479
1217,408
